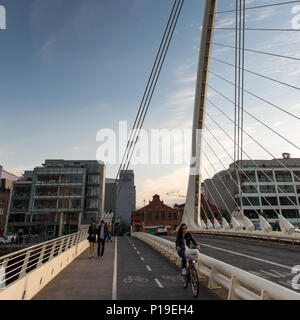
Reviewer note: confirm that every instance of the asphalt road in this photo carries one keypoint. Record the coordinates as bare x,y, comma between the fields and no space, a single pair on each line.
273,262
141,274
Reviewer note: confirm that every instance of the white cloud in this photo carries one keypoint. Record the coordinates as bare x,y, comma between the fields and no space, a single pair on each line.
79,148
6,152
174,182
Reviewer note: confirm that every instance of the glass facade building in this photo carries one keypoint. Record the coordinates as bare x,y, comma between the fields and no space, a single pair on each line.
64,195
267,187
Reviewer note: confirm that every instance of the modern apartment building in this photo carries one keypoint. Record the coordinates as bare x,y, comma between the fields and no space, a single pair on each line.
266,187
60,197
6,181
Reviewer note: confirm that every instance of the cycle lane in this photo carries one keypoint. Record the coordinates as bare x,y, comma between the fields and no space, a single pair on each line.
144,274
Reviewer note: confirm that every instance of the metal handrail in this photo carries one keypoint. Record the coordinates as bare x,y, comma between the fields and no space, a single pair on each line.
239,283
20,263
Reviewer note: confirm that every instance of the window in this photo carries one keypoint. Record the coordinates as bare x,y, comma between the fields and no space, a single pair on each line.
297,176
16,218
63,203
175,216
248,201
93,179
170,215
249,189
48,178
265,176
71,178
267,189
163,215
149,215
70,191
286,189
251,214
283,176
156,214
248,176
137,217
269,200
92,191
287,201
92,203
291,213
269,214
75,203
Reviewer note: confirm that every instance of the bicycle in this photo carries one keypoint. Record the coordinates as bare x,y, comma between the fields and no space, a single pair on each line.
191,275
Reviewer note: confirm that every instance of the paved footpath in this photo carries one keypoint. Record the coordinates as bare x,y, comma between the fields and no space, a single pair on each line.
141,273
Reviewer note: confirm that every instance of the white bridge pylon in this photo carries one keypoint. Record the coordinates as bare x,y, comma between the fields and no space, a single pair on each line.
191,216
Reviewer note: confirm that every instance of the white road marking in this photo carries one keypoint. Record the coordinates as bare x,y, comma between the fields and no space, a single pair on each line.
158,283
134,248
138,252
245,255
114,286
142,259
148,268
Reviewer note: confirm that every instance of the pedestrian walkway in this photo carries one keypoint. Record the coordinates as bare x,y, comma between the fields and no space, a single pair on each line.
83,279
141,274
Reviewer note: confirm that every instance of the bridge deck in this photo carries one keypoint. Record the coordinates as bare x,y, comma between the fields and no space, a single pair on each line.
142,274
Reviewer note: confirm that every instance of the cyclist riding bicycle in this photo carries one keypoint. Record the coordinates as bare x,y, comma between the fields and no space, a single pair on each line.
184,239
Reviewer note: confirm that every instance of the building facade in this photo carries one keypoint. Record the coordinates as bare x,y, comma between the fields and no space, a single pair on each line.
60,197
267,187
154,215
6,181
110,195
126,199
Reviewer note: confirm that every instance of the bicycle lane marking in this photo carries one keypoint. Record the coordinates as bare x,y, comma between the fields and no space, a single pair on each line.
158,283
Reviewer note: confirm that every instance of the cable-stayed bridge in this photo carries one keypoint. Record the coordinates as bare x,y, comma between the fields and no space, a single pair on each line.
246,115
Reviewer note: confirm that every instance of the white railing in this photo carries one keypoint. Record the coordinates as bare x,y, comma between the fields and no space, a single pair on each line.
239,283
18,265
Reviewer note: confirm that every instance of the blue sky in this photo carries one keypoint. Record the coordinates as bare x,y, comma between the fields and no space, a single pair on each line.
70,68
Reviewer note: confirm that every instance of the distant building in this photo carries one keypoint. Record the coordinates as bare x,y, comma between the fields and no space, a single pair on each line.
110,195
266,187
58,198
208,210
126,200
6,181
154,215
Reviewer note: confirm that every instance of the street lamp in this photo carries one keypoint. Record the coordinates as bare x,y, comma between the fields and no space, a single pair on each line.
144,215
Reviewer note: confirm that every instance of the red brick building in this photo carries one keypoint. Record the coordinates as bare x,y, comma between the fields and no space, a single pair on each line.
154,215
207,210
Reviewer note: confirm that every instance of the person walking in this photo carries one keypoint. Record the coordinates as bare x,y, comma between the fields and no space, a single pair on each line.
92,238
109,230
184,238
102,234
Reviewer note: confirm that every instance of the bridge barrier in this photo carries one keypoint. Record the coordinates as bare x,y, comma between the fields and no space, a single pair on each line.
239,283
25,272
273,236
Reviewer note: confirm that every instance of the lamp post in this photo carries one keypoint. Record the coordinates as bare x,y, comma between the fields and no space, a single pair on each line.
144,215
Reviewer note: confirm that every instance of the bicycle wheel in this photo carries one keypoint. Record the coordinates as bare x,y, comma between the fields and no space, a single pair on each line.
185,281
194,282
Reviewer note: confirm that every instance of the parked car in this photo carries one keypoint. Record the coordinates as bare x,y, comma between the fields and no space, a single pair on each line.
297,230
256,225
161,231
